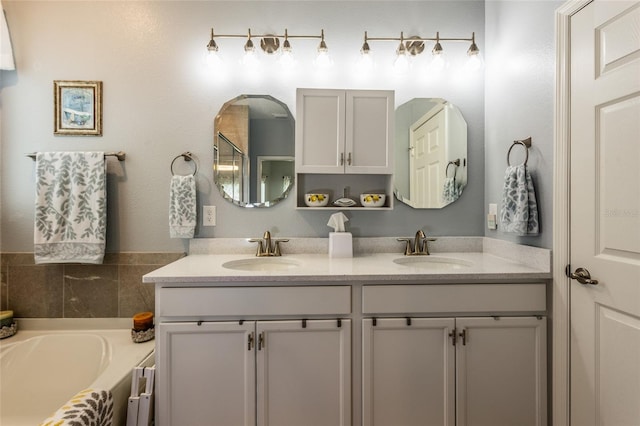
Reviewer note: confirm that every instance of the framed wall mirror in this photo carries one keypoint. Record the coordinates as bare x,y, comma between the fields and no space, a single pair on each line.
431,153
253,161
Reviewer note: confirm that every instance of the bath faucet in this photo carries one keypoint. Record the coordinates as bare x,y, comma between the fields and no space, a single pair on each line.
420,244
265,246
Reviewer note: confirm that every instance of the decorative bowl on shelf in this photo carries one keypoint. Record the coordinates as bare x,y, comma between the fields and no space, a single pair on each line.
372,200
316,200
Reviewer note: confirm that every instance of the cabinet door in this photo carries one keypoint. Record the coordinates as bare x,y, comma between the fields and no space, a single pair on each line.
408,372
369,132
320,131
501,371
206,374
304,373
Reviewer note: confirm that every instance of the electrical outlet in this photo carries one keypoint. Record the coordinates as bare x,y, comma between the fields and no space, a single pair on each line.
208,215
492,217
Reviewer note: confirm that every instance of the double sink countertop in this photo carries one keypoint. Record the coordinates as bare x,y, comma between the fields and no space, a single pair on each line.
306,260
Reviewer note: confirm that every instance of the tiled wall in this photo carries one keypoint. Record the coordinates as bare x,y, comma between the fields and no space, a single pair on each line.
113,289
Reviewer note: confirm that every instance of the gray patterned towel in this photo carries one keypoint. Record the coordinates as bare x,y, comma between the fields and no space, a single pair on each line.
451,190
519,211
90,407
182,207
71,207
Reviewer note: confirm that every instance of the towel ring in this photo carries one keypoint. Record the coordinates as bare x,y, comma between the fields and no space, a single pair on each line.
455,171
187,156
526,143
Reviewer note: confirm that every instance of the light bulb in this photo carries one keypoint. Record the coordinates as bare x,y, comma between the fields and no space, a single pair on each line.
474,63
401,63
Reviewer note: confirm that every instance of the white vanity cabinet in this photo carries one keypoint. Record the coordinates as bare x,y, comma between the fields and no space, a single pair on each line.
454,370
344,131
269,371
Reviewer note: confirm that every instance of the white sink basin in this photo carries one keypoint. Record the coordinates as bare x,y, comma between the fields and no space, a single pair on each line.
432,262
261,264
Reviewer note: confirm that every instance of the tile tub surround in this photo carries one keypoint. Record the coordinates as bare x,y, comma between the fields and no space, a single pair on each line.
110,290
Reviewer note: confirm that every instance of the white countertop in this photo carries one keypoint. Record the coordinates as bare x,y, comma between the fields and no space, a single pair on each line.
370,267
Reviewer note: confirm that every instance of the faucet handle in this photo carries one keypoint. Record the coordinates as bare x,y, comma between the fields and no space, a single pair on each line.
276,247
260,250
407,247
425,246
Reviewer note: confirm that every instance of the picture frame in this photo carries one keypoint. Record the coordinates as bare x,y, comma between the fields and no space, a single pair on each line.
77,107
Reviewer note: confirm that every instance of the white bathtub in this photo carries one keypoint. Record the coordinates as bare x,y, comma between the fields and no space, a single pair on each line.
49,361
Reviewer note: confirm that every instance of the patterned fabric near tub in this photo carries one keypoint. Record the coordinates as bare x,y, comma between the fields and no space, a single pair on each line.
90,407
71,207
182,207
519,211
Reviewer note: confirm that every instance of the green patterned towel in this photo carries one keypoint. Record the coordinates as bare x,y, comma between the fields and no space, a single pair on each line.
182,207
71,207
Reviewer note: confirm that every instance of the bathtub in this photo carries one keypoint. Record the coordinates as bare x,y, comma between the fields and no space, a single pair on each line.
49,361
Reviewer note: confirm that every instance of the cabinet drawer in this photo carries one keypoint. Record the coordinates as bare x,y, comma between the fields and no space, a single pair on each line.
234,301
455,298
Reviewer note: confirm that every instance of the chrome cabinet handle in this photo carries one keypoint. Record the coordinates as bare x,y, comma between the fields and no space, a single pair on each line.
583,276
349,159
342,158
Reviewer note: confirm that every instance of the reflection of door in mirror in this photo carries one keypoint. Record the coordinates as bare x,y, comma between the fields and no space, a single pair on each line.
427,160
275,175
254,151
431,153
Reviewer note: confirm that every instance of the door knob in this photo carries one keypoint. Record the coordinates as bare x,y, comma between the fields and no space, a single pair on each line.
583,276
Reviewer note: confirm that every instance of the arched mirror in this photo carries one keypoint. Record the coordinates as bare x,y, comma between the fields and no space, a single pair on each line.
431,153
253,162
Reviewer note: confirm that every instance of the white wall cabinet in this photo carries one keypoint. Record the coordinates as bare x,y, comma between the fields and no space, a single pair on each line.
344,144
344,131
454,371
272,373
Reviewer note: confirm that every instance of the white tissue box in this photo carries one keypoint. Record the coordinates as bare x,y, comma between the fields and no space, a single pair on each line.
340,244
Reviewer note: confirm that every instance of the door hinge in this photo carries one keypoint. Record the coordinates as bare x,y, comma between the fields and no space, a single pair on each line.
454,336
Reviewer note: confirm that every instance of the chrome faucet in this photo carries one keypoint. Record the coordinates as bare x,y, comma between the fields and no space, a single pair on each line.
420,245
265,246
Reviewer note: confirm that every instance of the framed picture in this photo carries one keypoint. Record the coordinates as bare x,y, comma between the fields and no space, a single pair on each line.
77,108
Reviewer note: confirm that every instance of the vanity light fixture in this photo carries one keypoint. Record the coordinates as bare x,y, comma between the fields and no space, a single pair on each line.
270,44
414,45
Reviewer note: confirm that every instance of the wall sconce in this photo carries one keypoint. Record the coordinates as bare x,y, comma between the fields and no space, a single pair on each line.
415,45
270,44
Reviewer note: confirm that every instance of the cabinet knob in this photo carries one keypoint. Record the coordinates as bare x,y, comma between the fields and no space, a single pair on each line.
342,158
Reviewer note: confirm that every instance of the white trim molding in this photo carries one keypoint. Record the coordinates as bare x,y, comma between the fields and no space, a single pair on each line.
560,377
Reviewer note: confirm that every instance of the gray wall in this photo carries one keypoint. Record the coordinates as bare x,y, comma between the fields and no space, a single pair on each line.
160,100
520,67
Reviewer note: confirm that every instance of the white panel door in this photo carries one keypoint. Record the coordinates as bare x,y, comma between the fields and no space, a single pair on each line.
605,214
408,372
304,373
205,374
501,371
369,132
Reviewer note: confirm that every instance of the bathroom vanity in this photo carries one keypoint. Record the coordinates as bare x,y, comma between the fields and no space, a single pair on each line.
455,338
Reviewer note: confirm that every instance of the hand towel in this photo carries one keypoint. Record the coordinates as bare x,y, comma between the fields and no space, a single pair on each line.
519,210
89,407
451,190
71,207
182,207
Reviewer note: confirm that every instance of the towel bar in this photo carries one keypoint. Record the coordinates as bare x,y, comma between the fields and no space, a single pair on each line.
186,156
121,155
